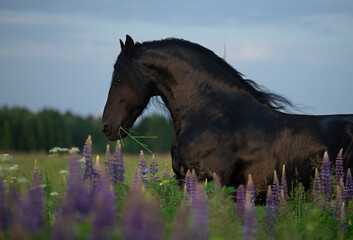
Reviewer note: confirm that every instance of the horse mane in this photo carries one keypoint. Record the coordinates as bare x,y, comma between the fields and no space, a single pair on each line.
260,93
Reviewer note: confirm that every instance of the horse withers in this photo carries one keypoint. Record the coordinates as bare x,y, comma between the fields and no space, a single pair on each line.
223,123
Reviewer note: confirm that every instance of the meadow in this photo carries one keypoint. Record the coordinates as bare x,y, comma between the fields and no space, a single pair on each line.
74,196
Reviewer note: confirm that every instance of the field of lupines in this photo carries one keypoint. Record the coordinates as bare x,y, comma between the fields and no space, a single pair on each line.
98,202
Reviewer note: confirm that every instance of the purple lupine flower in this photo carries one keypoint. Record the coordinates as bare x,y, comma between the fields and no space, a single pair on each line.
270,213
108,157
77,190
284,186
316,188
154,170
96,173
276,192
240,202
339,166
87,154
142,167
141,218
166,172
217,184
29,211
251,189
342,221
200,215
180,228
103,208
188,182
118,155
250,221
36,200
349,185
343,190
193,185
326,182
338,203
136,182
2,206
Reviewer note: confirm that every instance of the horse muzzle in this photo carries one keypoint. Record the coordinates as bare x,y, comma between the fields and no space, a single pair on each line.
113,133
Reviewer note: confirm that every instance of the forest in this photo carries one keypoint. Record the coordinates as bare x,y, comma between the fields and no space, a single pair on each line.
25,131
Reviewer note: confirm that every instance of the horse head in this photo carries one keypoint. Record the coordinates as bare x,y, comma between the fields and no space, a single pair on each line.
129,93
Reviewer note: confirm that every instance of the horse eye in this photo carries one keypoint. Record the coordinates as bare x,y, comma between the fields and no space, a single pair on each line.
117,80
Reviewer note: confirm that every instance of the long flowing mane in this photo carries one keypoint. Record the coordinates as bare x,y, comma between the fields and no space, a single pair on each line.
260,93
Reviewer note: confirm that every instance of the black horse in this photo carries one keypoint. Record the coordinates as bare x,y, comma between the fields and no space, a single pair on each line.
223,123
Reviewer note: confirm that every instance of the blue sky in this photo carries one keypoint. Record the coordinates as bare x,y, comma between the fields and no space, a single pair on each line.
60,54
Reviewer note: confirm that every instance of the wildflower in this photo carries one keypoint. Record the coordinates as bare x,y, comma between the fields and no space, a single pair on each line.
142,167
87,154
251,189
118,158
217,184
103,208
166,173
141,218
276,192
349,185
316,188
250,221
154,170
284,183
2,206
193,185
326,182
339,166
342,221
180,228
136,182
240,202
270,213
199,222
338,204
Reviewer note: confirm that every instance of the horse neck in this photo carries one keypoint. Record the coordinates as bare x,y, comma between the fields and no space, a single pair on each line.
187,86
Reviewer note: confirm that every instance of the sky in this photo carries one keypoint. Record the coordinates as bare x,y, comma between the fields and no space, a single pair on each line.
60,54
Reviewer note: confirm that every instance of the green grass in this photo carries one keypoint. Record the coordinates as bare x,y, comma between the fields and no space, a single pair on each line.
53,167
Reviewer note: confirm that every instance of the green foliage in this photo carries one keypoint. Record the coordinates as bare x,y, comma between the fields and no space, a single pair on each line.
22,130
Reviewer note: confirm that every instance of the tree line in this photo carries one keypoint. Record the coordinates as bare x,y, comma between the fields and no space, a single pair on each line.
23,130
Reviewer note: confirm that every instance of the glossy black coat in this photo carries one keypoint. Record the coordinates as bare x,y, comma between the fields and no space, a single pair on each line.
223,123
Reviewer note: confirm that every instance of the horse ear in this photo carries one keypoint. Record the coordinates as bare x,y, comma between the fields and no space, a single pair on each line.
121,44
129,44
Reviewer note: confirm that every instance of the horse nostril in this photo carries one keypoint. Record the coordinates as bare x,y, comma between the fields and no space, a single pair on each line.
106,129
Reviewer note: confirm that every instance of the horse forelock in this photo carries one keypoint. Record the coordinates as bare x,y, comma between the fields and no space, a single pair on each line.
261,94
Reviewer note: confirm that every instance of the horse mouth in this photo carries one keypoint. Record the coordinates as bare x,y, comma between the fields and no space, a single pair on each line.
114,134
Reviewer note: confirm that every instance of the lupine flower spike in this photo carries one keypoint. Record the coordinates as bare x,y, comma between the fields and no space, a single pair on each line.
316,188
284,183
217,184
270,213
339,166
240,203
251,189
142,167
199,223
276,192
188,183
136,182
250,221
154,170
166,173
338,204
120,162
194,184
349,185
87,154
326,182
